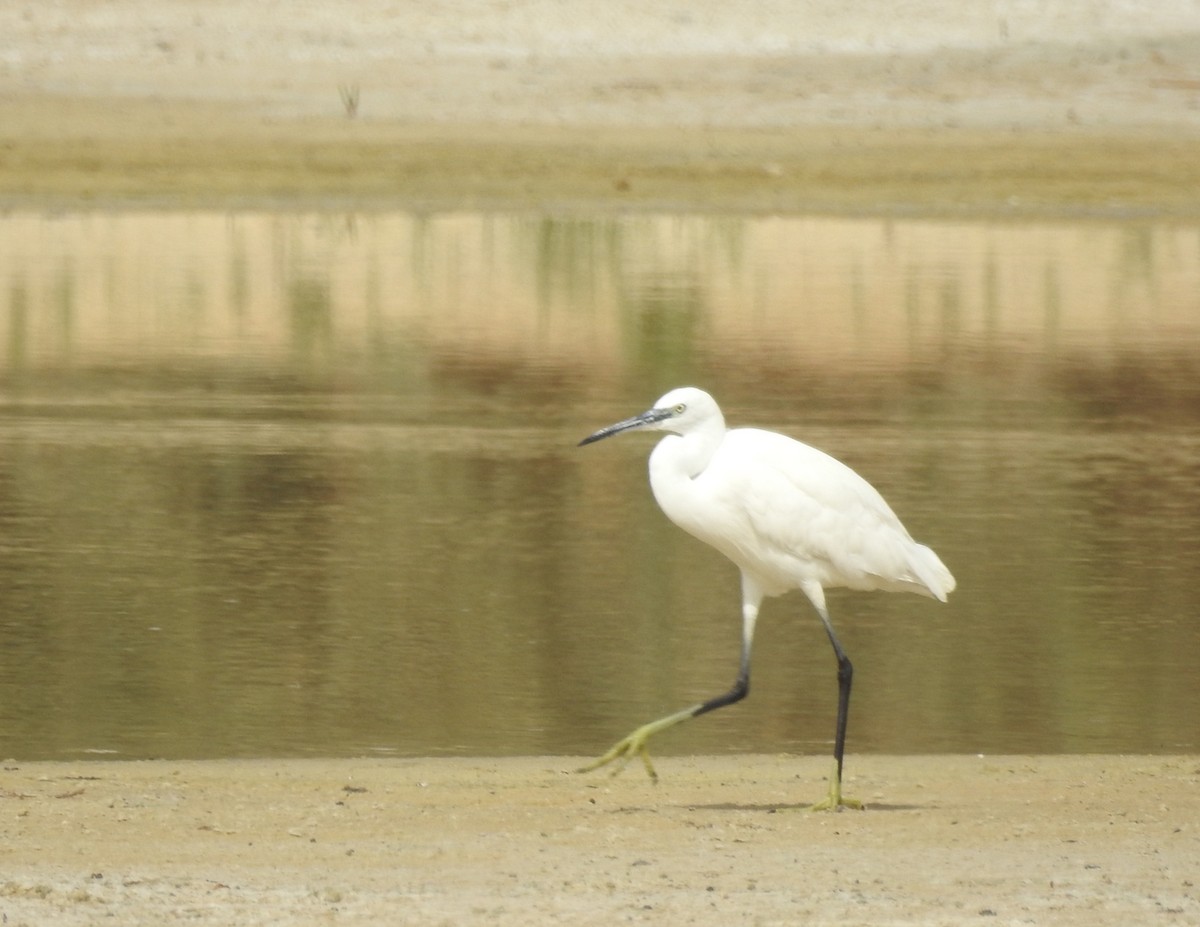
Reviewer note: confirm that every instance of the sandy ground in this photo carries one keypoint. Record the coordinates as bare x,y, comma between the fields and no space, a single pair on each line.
777,105
921,106
946,840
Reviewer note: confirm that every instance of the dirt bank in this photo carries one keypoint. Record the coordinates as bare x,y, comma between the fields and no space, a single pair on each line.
946,840
766,107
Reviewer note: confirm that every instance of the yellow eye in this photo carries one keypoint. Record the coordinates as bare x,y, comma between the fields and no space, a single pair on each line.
679,409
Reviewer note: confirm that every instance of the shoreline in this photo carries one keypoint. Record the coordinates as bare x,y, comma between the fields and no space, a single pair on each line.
134,155
805,107
1087,840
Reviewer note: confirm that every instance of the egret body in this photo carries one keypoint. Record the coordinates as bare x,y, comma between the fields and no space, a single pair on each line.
790,517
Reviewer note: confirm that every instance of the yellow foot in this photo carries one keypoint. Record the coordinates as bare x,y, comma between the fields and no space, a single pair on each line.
634,744
835,800
625,750
831,803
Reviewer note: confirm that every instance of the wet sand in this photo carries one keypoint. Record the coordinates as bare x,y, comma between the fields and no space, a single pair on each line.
946,840
788,107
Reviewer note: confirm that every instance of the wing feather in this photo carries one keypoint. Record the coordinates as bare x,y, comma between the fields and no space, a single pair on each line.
789,514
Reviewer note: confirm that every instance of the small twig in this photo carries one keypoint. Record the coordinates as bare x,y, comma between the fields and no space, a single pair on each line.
349,95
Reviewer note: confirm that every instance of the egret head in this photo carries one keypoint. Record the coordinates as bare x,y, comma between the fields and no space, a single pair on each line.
679,411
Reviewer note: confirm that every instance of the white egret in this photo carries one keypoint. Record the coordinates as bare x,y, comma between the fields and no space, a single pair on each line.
790,517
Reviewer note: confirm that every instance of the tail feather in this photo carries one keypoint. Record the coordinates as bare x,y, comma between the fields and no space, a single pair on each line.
932,573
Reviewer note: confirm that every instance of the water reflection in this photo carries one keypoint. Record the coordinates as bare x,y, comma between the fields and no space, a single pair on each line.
280,483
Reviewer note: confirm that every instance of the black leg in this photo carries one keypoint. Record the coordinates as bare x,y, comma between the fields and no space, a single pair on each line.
740,690
634,744
845,679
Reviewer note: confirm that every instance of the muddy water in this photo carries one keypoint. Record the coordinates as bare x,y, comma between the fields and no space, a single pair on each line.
281,483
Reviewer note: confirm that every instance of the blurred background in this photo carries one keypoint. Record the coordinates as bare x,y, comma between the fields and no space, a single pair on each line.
283,475
291,483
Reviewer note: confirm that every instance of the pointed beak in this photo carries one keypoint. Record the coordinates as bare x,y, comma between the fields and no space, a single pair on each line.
649,417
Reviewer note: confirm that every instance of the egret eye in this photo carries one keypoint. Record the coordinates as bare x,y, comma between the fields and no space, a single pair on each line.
679,409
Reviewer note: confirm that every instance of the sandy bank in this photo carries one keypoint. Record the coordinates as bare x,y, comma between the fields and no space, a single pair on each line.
773,107
947,840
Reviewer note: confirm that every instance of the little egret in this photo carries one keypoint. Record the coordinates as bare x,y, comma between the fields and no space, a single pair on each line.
790,517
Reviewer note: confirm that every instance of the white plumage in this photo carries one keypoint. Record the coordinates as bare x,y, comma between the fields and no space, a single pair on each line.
790,517
786,513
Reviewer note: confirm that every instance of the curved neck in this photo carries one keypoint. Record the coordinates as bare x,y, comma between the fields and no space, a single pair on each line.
675,462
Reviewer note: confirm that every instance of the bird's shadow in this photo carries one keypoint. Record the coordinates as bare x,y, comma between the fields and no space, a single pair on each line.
773,807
